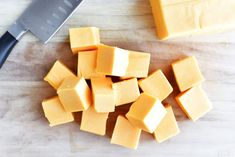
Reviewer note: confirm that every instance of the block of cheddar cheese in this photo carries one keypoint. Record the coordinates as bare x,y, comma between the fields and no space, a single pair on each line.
103,94
194,103
168,127
187,73
126,91
55,113
57,74
195,16
146,113
84,39
87,64
156,85
125,134
138,65
112,60
94,122
75,94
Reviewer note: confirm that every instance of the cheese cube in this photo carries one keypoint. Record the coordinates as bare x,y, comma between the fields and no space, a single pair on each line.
103,95
195,16
94,122
112,60
194,103
74,94
87,64
156,85
168,126
55,112
126,91
125,134
57,74
79,74
187,73
84,39
138,65
146,113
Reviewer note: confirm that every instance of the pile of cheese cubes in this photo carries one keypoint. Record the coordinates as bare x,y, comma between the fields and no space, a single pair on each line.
99,63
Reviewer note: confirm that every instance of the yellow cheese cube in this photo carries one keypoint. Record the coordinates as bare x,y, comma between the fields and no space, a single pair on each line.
74,94
84,39
125,134
138,65
112,60
103,95
94,122
55,112
59,121
194,16
57,74
156,85
79,74
194,103
168,126
87,64
187,73
146,113
126,91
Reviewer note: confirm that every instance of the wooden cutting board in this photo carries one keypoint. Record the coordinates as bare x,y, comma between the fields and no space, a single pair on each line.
128,24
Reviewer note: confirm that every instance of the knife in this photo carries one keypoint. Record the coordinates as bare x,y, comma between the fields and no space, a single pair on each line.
43,18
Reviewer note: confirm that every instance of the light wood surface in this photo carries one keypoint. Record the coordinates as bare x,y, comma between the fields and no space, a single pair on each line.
128,24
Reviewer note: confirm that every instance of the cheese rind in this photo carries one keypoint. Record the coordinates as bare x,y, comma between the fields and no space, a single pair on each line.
103,94
55,113
126,91
194,103
146,113
195,16
87,64
84,39
75,94
156,85
138,65
168,127
187,73
57,74
94,122
125,134
112,60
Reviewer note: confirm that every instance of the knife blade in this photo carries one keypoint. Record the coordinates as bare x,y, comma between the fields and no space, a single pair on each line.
43,18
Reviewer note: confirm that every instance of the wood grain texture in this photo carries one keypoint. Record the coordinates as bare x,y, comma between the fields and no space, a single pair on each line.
127,24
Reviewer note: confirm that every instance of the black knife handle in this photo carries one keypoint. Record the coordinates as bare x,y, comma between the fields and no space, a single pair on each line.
7,43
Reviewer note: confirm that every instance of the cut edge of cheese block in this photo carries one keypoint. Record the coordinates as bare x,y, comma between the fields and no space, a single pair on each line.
125,134
160,23
168,126
197,17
